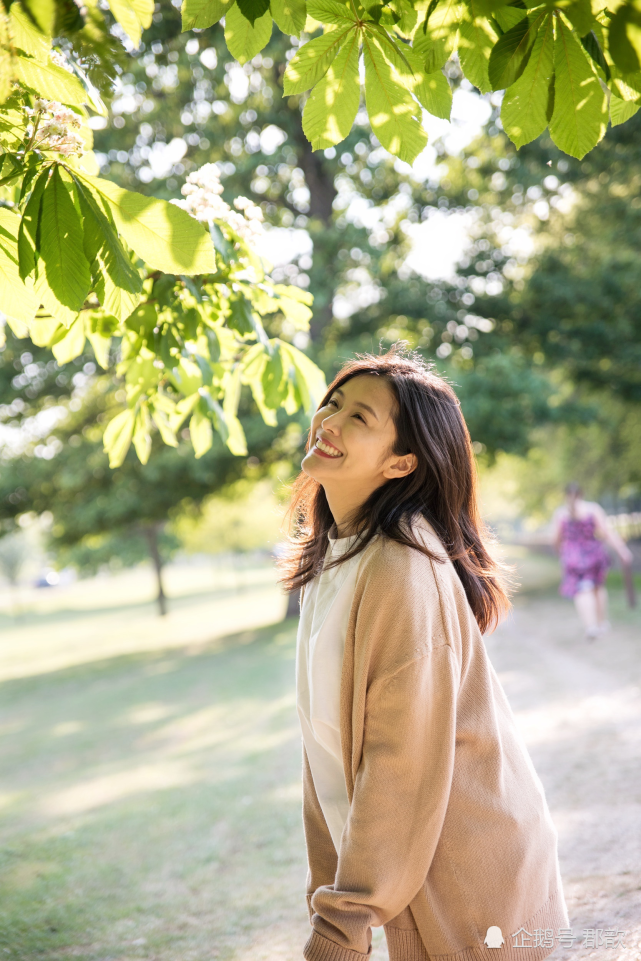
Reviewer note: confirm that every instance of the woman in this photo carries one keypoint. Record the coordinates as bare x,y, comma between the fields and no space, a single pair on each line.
421,807
578,525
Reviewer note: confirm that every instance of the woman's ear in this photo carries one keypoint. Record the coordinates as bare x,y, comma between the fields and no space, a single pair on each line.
401,466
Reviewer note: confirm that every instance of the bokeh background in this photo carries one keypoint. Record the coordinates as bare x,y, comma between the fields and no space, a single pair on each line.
150,798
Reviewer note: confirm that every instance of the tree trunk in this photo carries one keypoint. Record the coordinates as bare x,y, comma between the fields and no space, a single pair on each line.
151,533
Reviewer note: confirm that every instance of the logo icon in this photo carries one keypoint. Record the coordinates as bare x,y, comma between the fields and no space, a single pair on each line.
494,937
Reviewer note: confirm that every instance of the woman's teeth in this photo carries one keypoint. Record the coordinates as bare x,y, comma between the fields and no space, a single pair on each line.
327,449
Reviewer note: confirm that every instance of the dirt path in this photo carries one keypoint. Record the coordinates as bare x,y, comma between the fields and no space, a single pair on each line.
578,704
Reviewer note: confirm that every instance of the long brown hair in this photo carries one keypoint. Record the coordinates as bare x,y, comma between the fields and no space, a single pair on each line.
442,488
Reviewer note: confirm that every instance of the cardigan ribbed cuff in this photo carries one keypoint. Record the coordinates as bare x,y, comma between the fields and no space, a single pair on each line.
405,944
319,948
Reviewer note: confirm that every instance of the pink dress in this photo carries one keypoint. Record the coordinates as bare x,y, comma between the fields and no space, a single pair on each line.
584,559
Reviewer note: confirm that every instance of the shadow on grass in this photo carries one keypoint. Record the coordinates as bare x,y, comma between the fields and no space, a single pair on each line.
151,805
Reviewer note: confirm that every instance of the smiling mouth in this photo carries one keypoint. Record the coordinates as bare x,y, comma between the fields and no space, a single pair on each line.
327,449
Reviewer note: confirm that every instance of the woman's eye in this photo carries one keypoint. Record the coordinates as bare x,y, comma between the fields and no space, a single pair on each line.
360,417
330,402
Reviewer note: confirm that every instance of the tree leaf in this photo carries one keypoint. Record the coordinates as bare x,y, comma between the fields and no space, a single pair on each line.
333,103
243,39
118,283
393,113
200,430
510,54
580,116
117,437
43,13
27,36
592,47
61,249
53,81
310,379
435,94
580,16
164,429
475,44
524,111
624,38
203,13
162,234
28,241
142,433
620,111
330,11
133,16
312,62
72,344
252,9
290,15
16,299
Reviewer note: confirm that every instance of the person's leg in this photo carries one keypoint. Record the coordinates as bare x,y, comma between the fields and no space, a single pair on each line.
586,605
601,595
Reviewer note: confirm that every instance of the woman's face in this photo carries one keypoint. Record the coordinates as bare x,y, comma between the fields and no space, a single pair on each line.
352,438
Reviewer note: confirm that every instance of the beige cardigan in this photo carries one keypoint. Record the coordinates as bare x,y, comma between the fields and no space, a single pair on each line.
447,814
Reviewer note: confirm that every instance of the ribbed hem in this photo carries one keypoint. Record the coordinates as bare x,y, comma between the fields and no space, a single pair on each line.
318,948
405,944
552,914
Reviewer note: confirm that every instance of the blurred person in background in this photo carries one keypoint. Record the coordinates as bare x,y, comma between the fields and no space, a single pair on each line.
580,528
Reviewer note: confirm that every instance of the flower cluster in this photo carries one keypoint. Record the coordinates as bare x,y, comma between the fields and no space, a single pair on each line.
52,127
203,201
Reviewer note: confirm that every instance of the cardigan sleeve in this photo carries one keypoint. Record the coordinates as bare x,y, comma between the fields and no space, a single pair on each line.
401,788
321,853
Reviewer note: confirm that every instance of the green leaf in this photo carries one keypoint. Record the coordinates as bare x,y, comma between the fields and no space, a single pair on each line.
524,111
43,13
243,39
72,343
274,380
290,15
27,36
164,428
310,379
580,16
99,341
592,47
118,283
43,330
435,94
162,234
142,433
507,17
50,80
393,113
252,9
580,115
133,16
333,103
620,111
476,42
61,249
510,54
203,13
28,241
312,62
200,430
624,40
117,436
17,300
330,11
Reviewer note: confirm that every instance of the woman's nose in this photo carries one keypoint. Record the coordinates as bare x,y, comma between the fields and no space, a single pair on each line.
330,423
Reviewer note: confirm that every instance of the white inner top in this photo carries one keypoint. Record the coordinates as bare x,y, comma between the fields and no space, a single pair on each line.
320,642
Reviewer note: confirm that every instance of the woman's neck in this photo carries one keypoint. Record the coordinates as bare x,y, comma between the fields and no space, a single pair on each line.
344,510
